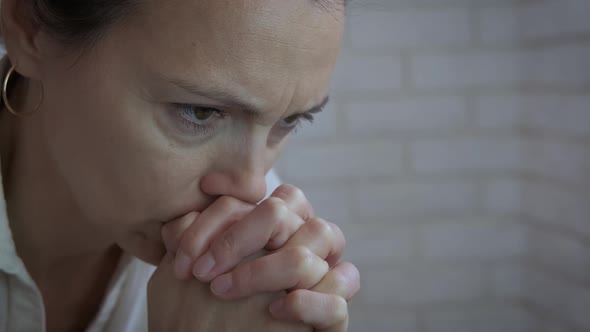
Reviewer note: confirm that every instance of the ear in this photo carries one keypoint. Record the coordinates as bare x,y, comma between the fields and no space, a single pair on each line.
21,36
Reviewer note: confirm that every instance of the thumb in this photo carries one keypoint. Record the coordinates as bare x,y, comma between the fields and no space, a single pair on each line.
172,231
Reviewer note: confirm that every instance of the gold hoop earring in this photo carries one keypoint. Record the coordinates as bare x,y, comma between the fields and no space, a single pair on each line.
9,74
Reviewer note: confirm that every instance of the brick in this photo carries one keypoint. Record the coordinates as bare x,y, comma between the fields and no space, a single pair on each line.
356,73
550,19
559,66
409,28
500,25
467,70
547,324
392,320
503,196
552,205
509,281
374,242
499,112
339,161
397,201
422,285
566,300
567,115
491,318
467,155
426,114
562,253
470,240
568,162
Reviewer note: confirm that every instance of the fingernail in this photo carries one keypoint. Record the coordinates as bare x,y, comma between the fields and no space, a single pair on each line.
222,284
182,264
276,306
204,265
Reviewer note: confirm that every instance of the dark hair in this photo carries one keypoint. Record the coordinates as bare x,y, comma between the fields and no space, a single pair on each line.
82,22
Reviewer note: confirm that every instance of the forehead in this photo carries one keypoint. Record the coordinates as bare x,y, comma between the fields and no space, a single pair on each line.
261,44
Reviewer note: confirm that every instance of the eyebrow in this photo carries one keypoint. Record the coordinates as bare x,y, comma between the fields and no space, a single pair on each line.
235,101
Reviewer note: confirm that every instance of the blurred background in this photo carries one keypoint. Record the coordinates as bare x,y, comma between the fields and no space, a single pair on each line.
455,155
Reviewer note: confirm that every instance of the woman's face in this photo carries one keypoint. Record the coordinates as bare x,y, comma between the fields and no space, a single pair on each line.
182,102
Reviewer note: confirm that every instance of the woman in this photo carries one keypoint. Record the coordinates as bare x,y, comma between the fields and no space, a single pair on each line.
137,132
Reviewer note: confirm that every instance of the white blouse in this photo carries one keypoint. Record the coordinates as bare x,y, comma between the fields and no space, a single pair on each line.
124,308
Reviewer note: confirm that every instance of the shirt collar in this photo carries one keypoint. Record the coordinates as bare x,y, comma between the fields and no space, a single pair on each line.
9,260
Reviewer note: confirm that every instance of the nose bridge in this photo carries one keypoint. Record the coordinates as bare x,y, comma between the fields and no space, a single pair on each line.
247,166
247,158
240,173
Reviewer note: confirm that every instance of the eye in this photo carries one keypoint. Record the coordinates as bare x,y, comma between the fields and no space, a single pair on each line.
198,114
290,125
199,118
290,121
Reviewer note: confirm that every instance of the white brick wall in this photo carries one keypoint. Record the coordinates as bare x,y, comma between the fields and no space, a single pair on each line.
468,154
489,318
565,115
508,280
500,112
503,196
455,155
551,19
551,205
398,201
467,70
442,114
499,25
337,161
478,241
422,285
560,253
369,73
410,28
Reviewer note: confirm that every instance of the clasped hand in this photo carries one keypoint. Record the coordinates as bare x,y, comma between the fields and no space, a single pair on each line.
276,254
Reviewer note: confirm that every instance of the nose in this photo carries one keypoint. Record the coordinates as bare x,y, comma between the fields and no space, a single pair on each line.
243,179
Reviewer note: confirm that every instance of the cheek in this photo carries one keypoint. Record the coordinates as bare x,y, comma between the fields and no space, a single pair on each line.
119,169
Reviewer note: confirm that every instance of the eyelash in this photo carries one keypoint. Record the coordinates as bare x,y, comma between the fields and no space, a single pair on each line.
294,128
207,129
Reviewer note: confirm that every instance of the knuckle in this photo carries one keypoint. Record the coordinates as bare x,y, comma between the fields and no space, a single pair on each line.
339,237
187,241
346,280
302,257
297,301
356,277
338,306
274,207
320,228
244,275
340,283
226,245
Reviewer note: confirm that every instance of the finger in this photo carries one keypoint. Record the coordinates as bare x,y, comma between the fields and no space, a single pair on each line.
342,280
172,231
294,268
295,200
224,212
269,225
323,238
325,312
